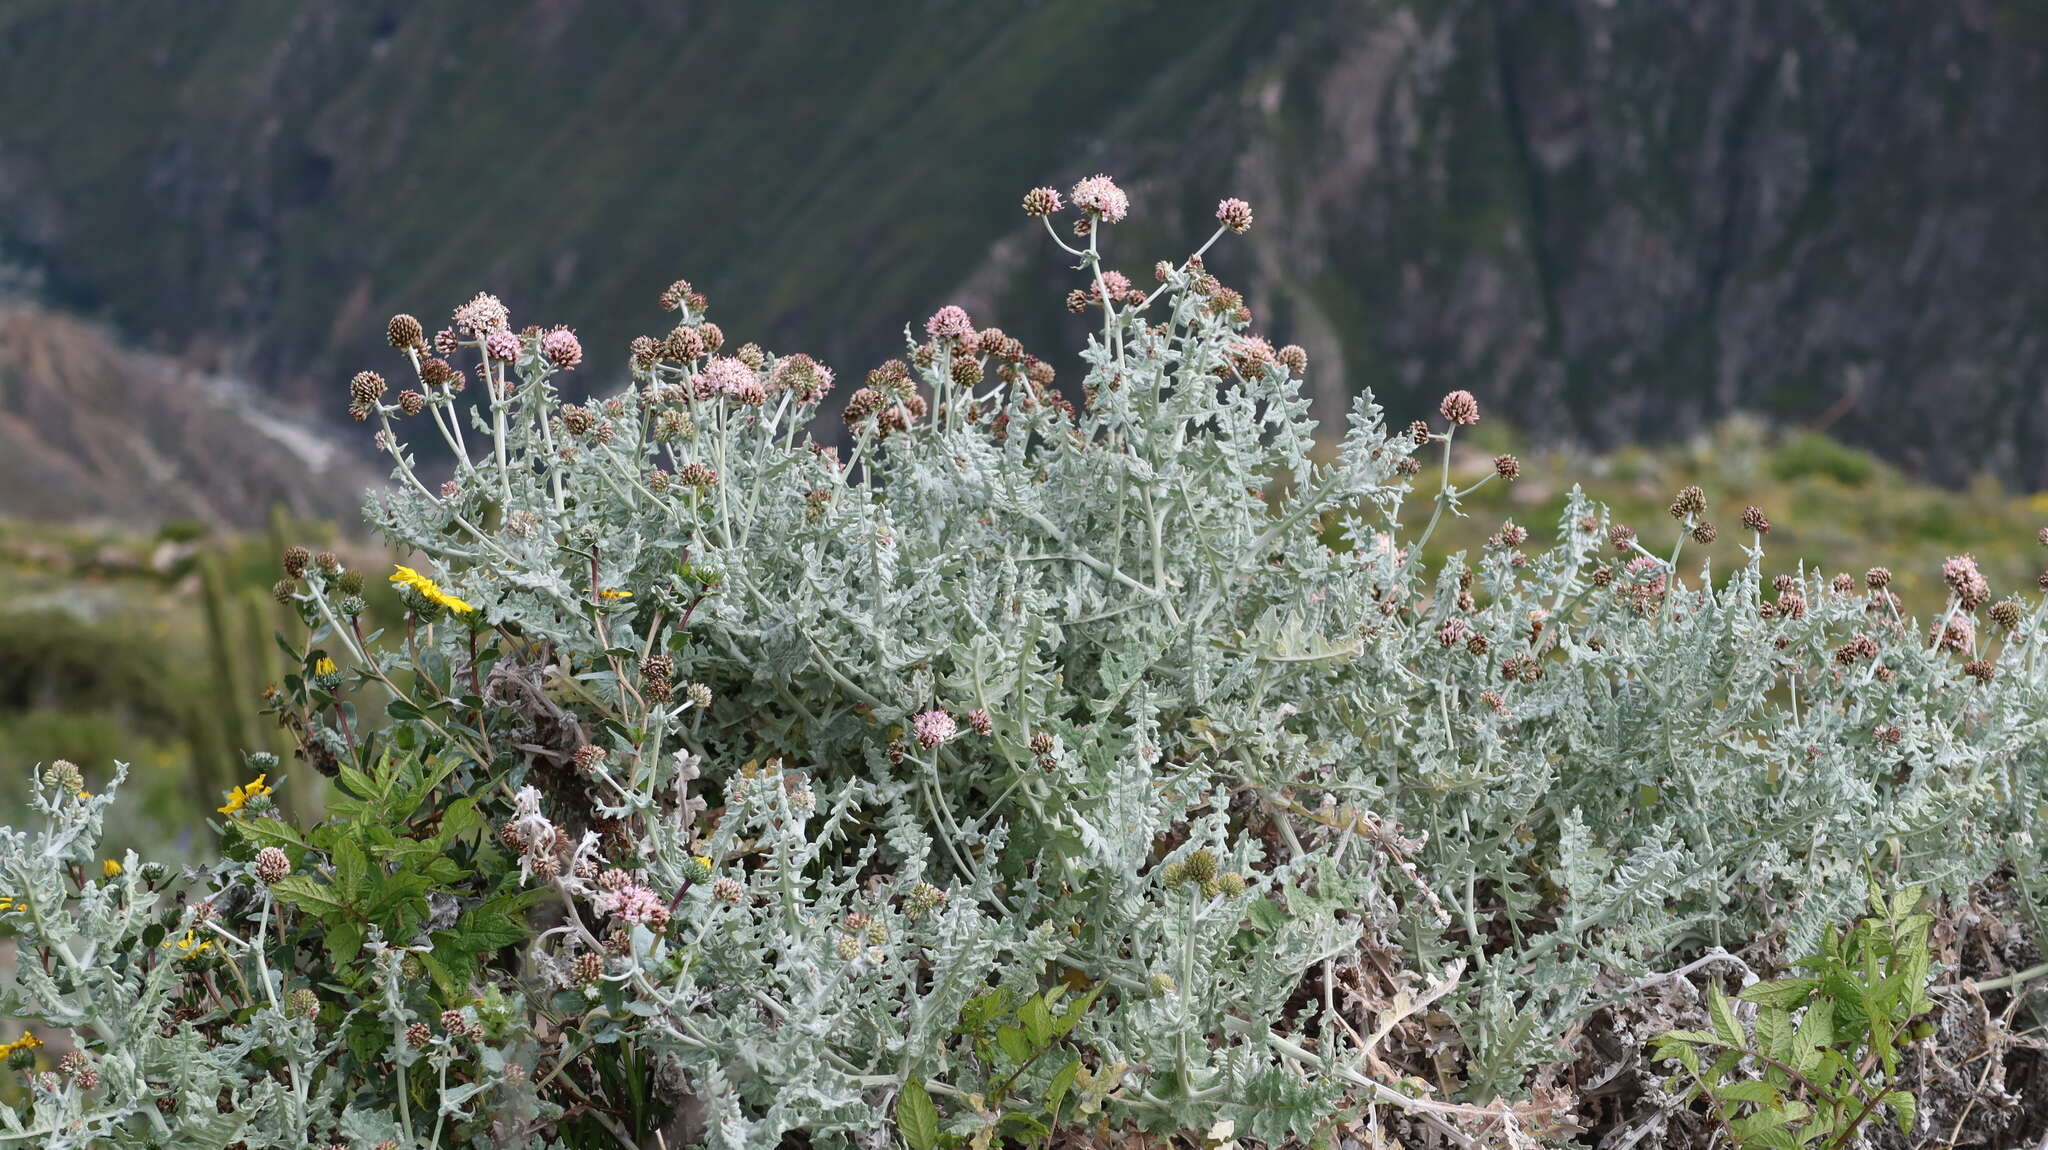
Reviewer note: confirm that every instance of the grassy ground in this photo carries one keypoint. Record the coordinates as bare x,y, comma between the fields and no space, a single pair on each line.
149,649
1831,508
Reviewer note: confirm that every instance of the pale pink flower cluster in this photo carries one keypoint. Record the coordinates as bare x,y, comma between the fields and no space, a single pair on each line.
933,727
633,903
1099,196
1957,633
562,348
482,315
1963,577
727,376
1383,546
950,322
502,345
1645,567
1460,407
1235,214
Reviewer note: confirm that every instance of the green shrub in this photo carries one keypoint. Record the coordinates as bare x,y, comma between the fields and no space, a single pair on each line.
1810,454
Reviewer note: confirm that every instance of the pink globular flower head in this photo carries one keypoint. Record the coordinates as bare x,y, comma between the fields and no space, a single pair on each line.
1460,408
482,315
446,341
933,727
1958,633
633,903
950,322
562,348
502,345
1962,576
726,375
1235,214
1099,196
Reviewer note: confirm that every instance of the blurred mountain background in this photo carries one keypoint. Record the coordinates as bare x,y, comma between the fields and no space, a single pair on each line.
1789,249
1615,222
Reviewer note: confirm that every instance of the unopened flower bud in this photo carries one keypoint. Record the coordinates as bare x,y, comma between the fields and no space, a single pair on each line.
1042,202
366,388
404,331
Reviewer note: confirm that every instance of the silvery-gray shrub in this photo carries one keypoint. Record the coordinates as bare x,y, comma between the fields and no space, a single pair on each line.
1155,698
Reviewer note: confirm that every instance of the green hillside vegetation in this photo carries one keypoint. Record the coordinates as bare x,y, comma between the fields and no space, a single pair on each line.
1832,508
152,649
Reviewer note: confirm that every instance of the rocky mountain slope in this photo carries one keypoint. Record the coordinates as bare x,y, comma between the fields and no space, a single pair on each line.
1612,220
90,430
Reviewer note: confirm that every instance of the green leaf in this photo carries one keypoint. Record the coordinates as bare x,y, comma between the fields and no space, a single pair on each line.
1761,1093
1061,1083
271,832
1816,1030
1024,1127
1266,915
450,971
1774,1032
1723,1015
916,1118
1905,1109
351,871
982,1009
1783,993
1698,1037
1071,1016
460,818
344,941
498,923
1037,1020
310,895
1014,1043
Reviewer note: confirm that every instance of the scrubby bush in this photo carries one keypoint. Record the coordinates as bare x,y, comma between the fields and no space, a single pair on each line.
1023,768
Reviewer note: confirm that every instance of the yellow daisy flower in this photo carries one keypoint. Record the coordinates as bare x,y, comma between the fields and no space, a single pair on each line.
428,589
240,796
26,1042
614,593
324,666
190,946
111,869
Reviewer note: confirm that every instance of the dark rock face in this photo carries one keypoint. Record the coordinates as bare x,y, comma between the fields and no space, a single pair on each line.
1610,220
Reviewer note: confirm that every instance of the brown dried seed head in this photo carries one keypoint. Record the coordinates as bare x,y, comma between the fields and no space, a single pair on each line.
404,332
